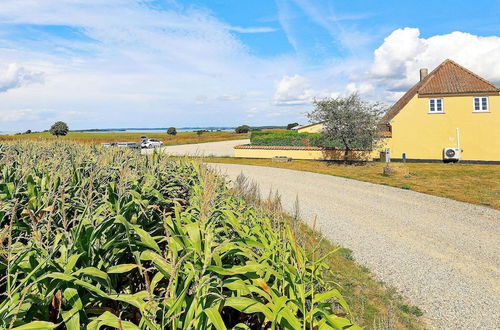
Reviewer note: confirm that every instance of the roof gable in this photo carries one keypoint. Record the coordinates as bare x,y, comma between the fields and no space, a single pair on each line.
449,78
452,78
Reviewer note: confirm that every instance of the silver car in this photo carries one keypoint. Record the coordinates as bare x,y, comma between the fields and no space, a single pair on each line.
151,143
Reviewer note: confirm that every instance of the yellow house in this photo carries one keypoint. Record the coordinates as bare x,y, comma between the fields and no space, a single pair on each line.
451,107
311,128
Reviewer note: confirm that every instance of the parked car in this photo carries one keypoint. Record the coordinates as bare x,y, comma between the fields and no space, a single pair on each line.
131,145
151,143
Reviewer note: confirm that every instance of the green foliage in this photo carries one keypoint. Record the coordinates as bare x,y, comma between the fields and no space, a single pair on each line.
171,131
105,238
292,125
59,128
291,138
349,120
242,129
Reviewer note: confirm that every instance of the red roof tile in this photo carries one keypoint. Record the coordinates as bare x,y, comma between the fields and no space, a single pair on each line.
449,78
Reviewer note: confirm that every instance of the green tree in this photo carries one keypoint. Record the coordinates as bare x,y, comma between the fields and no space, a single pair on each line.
171,131
242,129
350,121
292,125
60,128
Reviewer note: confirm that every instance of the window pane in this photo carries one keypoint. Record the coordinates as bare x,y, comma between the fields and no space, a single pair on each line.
484,104
439,106
431,104
476,104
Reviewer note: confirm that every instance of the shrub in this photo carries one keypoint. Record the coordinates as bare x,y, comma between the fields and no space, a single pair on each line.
291,138
292,125
242,129
171,131
60,128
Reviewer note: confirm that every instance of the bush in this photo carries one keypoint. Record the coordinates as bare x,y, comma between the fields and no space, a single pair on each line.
171,131
290,138
60,128
292,125
242,129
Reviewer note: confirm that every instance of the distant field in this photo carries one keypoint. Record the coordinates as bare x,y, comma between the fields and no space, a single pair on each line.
472,183
96,138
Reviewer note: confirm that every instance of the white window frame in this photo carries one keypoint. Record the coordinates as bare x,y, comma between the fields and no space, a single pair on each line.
435,105
480,104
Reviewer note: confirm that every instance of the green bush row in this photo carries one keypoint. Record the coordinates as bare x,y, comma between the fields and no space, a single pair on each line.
291,138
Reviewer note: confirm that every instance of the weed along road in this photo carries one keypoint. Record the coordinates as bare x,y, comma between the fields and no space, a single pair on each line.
439,253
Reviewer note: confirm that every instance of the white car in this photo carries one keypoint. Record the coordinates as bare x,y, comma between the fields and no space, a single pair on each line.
151,143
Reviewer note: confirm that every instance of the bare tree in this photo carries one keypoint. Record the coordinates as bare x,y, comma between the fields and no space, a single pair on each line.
349,121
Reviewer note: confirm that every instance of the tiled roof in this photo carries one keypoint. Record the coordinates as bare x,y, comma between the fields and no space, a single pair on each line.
449,78
248,146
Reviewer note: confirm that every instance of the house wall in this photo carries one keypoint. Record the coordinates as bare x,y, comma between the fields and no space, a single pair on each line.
316,128
423,136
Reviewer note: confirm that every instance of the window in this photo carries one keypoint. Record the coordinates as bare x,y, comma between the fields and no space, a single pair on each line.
436,106
481,104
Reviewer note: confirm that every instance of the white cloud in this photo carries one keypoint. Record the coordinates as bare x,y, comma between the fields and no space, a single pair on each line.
293,90
404,52
361,88
252,29
35,115
15,76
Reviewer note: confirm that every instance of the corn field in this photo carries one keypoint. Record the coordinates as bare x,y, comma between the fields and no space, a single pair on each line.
94,238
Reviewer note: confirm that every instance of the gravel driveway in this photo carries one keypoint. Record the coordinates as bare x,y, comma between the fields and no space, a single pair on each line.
441,254
220,149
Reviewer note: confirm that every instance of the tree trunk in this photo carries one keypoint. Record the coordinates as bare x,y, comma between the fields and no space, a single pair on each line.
346,151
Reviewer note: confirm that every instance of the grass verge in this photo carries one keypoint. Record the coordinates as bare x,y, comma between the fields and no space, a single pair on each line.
373,304
472,183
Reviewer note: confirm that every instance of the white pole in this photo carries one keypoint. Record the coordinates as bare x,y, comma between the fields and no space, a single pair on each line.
458,138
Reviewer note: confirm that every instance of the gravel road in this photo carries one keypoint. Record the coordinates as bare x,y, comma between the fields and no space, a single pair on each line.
220,149
441,254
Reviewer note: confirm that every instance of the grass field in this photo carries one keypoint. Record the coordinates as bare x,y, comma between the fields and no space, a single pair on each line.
96,138
472,183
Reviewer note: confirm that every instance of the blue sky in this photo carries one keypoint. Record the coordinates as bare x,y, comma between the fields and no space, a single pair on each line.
150,63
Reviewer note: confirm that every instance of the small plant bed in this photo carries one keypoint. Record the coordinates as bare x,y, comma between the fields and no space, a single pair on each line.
472,183
101,238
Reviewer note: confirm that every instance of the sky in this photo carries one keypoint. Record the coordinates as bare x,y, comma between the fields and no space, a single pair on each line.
161,63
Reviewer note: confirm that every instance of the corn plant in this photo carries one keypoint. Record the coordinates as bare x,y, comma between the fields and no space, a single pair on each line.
100,238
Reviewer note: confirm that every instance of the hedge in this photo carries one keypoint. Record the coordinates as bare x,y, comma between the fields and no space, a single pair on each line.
291,138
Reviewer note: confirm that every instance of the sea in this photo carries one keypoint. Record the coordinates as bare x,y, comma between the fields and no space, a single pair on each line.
141,130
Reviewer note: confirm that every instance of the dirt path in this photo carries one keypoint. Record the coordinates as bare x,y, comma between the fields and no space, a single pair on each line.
441,254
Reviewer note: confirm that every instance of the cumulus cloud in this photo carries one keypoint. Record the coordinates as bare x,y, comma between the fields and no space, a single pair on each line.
293,90
398,60
361,88
16,76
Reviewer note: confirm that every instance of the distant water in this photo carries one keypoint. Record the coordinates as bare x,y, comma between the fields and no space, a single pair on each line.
153,130
141,130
